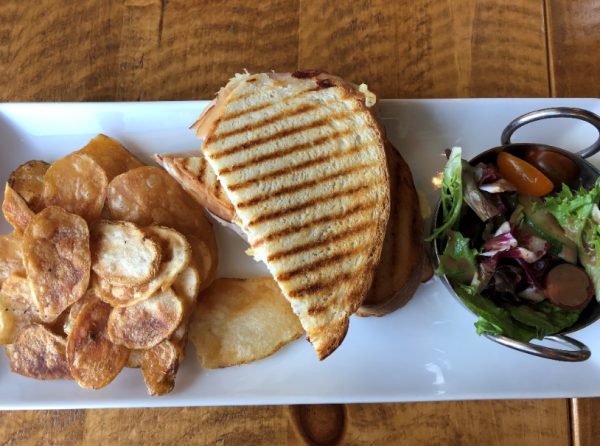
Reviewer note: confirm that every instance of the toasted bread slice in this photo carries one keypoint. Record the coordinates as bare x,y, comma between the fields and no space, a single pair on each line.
301,157
199,180
399,272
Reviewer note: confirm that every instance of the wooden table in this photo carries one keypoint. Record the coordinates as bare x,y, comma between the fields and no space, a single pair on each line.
133,50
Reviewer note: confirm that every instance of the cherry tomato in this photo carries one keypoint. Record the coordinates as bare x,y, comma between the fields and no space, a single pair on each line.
556,166
527,179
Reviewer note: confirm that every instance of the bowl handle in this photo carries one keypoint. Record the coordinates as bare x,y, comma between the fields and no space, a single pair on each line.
556,112
578,350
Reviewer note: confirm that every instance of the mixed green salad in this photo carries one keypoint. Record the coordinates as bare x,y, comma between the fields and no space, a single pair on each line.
518,245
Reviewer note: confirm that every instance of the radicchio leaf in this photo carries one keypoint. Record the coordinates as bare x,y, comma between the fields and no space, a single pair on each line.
503,240
475,198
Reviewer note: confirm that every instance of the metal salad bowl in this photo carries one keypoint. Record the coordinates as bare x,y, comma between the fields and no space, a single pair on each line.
574,350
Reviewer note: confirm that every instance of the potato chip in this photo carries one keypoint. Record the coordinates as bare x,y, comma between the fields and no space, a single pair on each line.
74,309
242,320
77,184
11,256
187,285
15,209
57,259
93,359
17,307
206,258
159,367
179,338
28,181
9,326
148,195
12,319
145,324
38,353
17,298
123,254
110,155
176,254
135,359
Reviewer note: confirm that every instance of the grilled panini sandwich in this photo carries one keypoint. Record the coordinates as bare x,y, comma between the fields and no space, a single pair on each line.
301,158
403,258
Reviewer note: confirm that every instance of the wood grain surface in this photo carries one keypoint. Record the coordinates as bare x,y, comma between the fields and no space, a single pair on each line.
573,43
459,423
586,429
104,50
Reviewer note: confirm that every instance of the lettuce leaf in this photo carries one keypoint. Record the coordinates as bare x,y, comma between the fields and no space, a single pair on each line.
492,318
544,317
520,322
573,209
577,212
458,262
451,193
589,253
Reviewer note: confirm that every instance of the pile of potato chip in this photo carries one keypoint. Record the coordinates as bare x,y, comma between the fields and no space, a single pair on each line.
102,270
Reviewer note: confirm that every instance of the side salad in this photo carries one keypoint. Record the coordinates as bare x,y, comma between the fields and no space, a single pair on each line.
519,246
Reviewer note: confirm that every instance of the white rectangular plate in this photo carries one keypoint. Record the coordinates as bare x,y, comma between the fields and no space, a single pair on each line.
425,351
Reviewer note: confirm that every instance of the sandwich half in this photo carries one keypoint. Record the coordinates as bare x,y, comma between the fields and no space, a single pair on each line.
403,263
301,158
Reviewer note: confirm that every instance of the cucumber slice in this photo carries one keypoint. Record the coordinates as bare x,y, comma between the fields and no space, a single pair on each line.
547,227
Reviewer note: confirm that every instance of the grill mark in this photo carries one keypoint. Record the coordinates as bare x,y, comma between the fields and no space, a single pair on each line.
348,233
300,110
321,263
302,186
240,97
286,211
316,309
290,150
230,116
281,134
338,154
217,187
310,224
322,285
202,169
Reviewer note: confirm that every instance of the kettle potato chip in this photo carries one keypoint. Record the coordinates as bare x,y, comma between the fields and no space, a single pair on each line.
123,254
135,359
11,255
38,353
112,157
159,366
148,195
77,184
176,255
206,258
17,298
74,309
93,359
242,320
28,181
17,307
57,259
145,324
15,209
